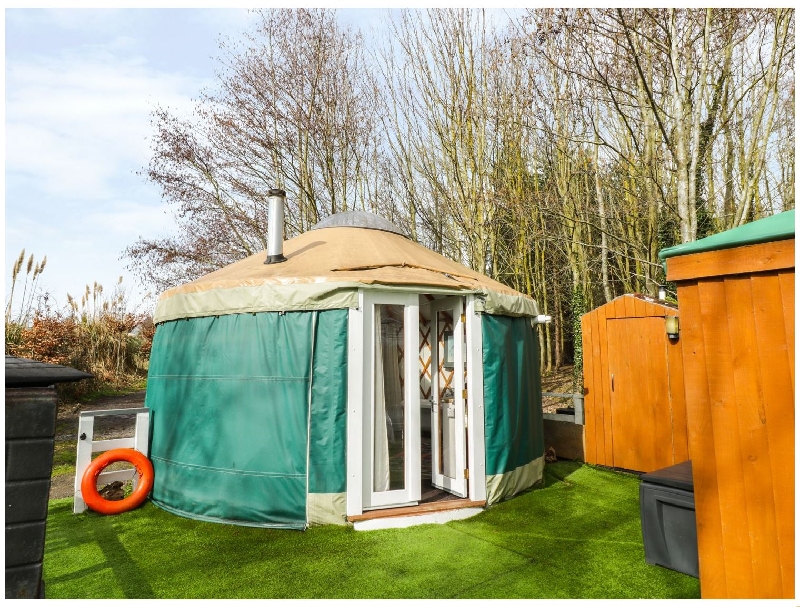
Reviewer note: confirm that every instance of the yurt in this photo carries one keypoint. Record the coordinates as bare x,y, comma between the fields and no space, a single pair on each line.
344,376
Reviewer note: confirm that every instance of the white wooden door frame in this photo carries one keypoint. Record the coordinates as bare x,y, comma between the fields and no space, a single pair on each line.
457,484
355,405
476,437
476,447
410,494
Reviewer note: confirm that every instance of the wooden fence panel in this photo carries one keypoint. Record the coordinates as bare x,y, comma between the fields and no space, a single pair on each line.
724,418
706,495
630,307
787,298
656,377
774,358
619,308
625,418
677,396
753,448
605,387
589,391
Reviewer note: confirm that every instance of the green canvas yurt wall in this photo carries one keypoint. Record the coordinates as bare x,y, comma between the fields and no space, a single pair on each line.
248,415
512,398
248,377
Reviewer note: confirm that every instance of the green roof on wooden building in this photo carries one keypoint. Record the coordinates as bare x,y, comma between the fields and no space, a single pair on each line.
775,227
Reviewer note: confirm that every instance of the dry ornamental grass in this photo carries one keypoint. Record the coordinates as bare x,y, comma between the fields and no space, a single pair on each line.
98,334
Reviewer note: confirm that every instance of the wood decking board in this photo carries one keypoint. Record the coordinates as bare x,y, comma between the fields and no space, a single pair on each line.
415,510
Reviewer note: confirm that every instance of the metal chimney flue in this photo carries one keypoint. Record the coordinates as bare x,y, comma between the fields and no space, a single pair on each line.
277,198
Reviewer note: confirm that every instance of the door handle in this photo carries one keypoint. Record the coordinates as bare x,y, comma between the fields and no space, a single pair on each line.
612,382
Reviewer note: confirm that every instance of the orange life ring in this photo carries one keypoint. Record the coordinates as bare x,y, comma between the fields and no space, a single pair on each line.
97,502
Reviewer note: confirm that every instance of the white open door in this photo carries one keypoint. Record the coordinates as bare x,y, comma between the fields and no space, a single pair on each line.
448,382
391,436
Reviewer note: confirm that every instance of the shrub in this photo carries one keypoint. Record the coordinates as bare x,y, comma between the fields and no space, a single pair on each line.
99,336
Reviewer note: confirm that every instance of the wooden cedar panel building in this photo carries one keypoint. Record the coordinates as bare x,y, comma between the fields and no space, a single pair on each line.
736,301
635,412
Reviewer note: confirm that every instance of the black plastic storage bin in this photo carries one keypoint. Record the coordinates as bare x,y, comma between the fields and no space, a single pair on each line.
669,530
31,408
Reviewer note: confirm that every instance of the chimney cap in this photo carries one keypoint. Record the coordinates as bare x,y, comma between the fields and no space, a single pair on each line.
277,192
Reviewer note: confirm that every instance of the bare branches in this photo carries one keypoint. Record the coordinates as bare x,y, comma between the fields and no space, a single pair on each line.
557,154
294,108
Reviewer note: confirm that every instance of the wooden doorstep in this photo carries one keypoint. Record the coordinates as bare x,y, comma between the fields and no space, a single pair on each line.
414,510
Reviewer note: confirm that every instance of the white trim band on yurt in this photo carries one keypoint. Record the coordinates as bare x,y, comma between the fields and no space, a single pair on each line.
319,296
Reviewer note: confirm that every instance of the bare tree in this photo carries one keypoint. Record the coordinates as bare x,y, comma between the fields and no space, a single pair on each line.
558,152
439,124
294,108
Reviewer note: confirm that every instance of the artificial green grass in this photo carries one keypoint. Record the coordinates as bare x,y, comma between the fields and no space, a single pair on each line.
576,536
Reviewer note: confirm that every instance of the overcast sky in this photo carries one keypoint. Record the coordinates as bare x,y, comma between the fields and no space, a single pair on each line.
79,86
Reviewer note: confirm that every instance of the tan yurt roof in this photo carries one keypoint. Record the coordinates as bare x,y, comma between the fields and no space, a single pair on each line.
324,269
